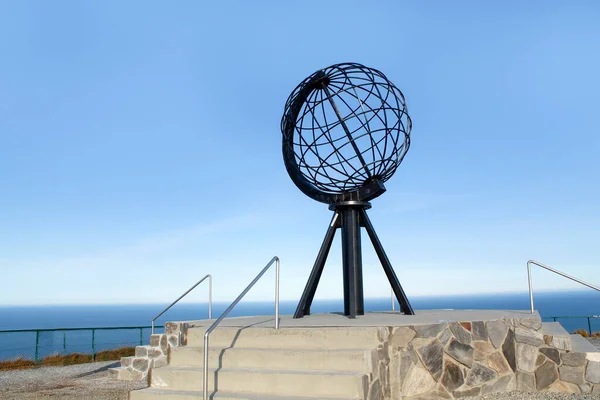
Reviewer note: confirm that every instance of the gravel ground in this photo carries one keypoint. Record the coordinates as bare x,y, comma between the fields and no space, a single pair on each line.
595,342
81,382
536,396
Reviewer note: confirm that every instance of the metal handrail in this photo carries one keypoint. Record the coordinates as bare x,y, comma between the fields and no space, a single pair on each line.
209,276
556,272
235,302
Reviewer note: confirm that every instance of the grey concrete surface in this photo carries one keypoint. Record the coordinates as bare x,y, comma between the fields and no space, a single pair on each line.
371,319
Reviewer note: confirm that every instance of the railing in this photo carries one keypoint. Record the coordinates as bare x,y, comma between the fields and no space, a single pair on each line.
209,276
235,302
556,272
60,341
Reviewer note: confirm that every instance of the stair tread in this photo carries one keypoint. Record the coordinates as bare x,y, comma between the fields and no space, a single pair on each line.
554,329
266,349
261,370
239,395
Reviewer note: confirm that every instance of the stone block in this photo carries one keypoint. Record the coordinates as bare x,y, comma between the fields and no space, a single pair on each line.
172,328
160,362
383,334
482,349
137,375
540,360
480,374
418,381
528,336
563,387
375,391
124,375
526,357
462,353
164,344
532,323
497,362
460,333
126,361
445,336
452,377
572,374
155,340
466,325
592,372
545,375
430,330
508,349
496,331
525,381
479,331
499,386
559,342
141,351
406,363
551,353
432,356
585,388
471,392
141,364
155,353
173,340
402,336
573,359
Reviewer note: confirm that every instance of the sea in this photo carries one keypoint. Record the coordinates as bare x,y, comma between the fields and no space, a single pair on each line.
570,308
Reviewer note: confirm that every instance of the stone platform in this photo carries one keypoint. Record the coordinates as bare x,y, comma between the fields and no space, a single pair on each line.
438,354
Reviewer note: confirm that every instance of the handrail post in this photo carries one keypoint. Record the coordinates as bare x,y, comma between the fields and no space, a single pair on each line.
141,336
393,302
556,272
589,326
93,345
37,345
530,285
209,296
277,293
228,310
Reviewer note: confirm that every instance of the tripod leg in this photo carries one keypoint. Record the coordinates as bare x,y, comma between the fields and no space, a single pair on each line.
352,260
405,306
313,281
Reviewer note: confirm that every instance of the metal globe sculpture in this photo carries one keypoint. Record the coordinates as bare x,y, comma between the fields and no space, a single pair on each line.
345,131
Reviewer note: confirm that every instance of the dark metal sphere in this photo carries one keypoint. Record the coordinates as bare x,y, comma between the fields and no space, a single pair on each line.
345,131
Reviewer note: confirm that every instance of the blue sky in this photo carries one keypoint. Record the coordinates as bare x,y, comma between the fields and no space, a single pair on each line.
140,145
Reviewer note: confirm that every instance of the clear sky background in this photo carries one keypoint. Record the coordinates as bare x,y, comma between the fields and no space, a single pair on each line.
140,146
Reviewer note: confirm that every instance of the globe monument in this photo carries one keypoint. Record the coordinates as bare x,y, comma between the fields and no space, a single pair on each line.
346,129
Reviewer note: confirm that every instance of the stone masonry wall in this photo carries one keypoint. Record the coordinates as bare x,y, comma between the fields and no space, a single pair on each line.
450,360
155,355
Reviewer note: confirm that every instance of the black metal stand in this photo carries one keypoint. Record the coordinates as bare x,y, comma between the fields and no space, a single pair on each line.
350,216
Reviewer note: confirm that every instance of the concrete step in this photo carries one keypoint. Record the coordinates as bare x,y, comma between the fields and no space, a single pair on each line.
357,360
286,338
582,345
263,381
163,394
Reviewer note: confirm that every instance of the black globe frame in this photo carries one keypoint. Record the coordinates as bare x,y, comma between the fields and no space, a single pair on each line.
346,129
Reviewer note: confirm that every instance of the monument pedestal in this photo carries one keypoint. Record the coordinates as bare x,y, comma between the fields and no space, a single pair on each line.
383,355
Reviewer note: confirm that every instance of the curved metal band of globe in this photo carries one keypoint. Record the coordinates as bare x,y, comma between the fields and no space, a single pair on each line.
349,218
370,189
